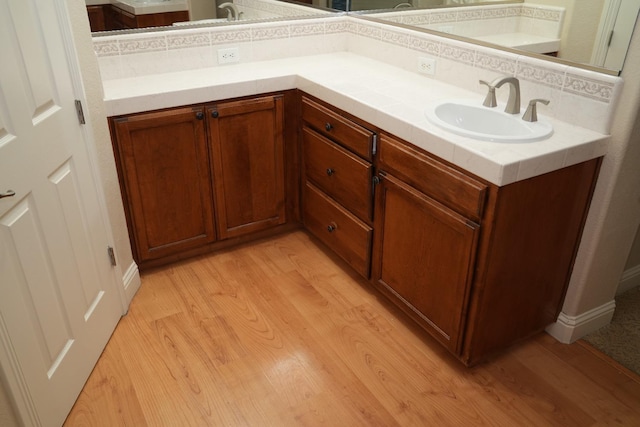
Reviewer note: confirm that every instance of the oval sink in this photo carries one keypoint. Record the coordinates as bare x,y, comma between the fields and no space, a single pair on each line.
472,119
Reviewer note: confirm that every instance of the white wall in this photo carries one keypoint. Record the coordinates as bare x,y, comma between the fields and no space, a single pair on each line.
615,210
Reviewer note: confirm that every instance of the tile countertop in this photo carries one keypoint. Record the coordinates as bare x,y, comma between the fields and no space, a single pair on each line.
386,96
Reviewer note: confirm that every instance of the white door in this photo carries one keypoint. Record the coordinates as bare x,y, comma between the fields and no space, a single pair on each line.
622,31
614,33
58,299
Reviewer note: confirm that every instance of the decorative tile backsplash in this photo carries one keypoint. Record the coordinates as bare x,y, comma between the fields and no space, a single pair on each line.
578,96
477,21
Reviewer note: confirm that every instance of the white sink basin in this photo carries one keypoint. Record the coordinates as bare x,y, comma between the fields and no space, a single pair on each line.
472,119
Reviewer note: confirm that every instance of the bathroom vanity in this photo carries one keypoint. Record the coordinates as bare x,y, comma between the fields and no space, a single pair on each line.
474,240
478,266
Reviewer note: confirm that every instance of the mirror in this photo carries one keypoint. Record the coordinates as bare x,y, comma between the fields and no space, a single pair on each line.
594,34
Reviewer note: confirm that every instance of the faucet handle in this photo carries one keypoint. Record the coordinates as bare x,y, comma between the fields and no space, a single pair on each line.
531,115
490,99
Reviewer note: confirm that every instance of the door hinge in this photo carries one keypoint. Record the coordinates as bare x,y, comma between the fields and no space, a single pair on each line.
112,256
610,39
80,112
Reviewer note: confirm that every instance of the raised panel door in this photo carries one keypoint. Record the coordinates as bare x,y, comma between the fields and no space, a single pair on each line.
424,257
247,154
166,176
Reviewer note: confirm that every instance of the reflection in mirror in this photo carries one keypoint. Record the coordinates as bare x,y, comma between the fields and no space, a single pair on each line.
107,15
594,33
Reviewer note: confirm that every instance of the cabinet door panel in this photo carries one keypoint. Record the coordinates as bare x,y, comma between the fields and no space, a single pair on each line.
167,181
247,157
424,258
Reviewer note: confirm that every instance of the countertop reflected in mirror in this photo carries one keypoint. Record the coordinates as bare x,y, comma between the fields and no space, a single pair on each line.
582,35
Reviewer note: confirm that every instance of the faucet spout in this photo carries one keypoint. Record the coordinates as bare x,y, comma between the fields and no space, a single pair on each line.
232,11
513,104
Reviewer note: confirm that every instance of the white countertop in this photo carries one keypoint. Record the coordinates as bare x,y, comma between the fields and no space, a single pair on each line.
386,96
524,41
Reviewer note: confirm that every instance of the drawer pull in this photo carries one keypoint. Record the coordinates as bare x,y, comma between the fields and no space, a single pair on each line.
215,114
199,115
332,227
328,127
330,171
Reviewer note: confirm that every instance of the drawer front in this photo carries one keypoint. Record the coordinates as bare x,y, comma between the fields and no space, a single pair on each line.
342,175
342,130
443,183
336,227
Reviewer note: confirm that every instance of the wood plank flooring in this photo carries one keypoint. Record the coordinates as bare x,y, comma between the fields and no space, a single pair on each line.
282,333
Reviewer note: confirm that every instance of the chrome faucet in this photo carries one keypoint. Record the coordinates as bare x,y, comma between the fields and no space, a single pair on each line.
232,11
513,104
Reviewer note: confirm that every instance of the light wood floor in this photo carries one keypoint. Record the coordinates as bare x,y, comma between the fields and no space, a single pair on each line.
281,333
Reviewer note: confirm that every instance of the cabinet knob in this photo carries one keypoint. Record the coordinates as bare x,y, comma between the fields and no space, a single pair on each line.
199,115
328,127
215,114
330,171
332,227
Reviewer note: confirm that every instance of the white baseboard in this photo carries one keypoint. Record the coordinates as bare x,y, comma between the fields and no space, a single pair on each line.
568,329
630,279
131,281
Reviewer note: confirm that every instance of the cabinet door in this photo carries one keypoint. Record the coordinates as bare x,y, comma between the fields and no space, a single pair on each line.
424,256
247,156
167,182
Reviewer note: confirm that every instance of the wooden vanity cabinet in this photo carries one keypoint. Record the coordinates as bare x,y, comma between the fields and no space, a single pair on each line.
185,170
479,267
166,180
337,194
99,17
247,154
122,20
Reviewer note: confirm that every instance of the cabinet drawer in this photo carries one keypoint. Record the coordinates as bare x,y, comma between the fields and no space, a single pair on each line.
342,175
342,130
445,184
345,234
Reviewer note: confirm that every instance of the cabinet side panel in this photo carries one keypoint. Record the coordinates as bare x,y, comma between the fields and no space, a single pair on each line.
537,227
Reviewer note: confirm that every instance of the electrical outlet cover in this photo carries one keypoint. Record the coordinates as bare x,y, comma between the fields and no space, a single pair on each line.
426,65
229,55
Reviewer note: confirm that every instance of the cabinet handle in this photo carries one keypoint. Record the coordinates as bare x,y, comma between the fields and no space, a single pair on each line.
330,171
215,114
199,115
328,127
332,227
8,193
